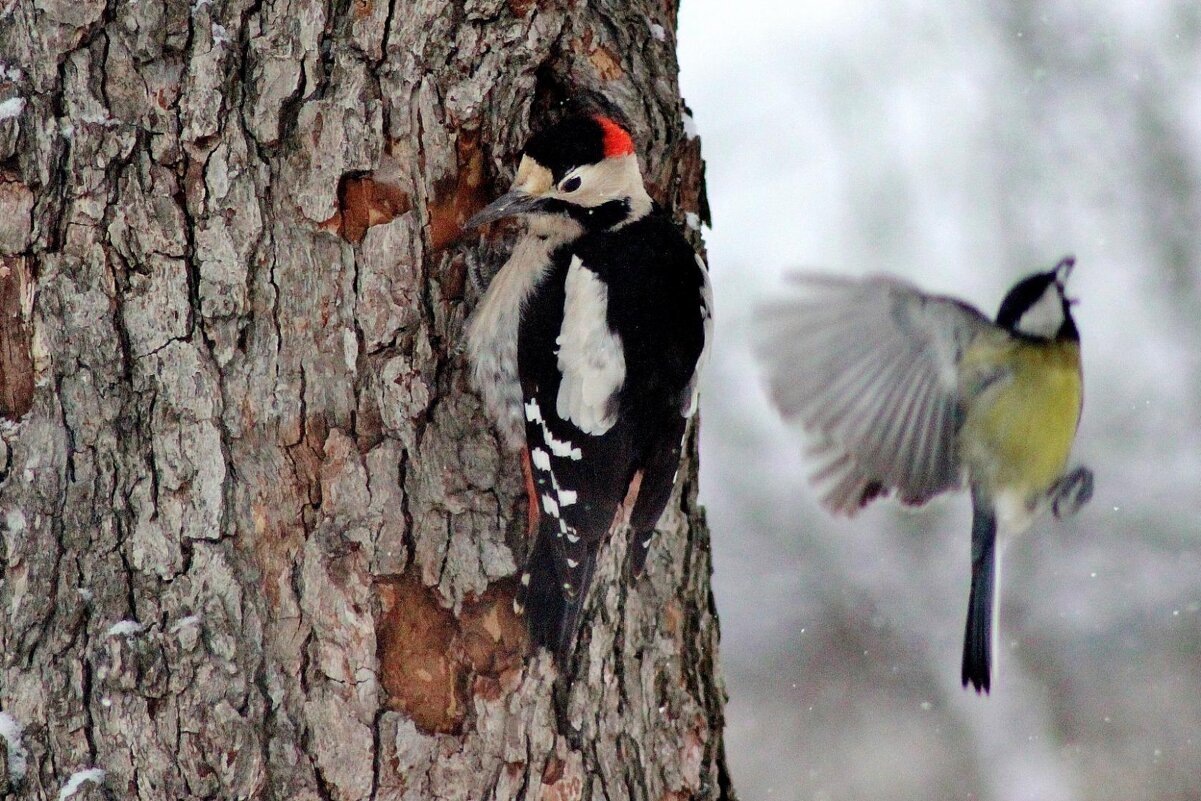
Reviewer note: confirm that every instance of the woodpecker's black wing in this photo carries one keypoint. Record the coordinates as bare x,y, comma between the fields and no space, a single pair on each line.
609,350
869,368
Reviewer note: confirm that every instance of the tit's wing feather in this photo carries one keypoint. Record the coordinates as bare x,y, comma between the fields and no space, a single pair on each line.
868,368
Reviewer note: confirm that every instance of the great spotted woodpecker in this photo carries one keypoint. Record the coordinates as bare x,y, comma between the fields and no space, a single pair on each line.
587,349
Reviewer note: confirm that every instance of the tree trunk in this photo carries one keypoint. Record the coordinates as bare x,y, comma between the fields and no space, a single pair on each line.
258,537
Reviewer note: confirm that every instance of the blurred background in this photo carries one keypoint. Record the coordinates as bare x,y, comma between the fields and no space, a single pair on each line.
961,146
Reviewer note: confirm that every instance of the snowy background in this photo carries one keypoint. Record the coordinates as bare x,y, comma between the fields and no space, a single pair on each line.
961,147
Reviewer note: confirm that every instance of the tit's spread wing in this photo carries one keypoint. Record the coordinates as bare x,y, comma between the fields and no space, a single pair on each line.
868,368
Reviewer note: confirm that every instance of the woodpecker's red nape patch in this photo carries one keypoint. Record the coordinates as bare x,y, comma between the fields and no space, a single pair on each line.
617,141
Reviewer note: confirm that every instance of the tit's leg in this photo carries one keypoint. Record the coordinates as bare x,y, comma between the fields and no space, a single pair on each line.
1071,492
977,636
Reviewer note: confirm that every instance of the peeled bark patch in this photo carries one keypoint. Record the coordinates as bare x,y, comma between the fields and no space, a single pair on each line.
363,202
16,340
417,671
16,203
428,656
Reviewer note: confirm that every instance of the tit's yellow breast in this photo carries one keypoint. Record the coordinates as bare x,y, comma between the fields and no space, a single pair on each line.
1019,428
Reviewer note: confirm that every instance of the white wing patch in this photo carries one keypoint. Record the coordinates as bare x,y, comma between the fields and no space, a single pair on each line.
692,393
590,354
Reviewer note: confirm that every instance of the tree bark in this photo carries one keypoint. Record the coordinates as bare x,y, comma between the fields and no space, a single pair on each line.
258,537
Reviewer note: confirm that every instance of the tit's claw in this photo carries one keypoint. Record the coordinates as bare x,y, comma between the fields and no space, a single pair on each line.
1071,492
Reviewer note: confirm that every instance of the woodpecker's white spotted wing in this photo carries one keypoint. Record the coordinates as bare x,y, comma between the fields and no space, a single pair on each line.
608,352
868,368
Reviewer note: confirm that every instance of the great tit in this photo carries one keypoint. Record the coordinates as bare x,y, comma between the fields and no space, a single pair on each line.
902,391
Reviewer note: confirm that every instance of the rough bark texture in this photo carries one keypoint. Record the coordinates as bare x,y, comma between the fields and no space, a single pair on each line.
232,297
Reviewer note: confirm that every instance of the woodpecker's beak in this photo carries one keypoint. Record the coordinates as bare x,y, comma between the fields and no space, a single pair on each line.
510,204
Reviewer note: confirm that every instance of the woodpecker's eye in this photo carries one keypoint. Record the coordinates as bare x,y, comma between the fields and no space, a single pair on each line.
571,184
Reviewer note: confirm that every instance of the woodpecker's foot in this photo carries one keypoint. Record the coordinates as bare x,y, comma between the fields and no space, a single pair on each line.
1071,492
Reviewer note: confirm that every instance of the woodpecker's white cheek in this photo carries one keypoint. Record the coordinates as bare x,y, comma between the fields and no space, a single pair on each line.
591,357
612,179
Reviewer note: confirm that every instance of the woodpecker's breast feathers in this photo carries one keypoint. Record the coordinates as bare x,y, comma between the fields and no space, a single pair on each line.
492,334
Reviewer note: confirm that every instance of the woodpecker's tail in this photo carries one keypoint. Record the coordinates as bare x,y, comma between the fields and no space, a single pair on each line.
553,588
977,639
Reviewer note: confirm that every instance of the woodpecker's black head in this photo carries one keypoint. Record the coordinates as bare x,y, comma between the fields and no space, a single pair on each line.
581,170
1037,307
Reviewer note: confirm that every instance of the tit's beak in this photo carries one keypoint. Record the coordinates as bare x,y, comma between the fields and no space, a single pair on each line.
509,204
1062,271
1064,268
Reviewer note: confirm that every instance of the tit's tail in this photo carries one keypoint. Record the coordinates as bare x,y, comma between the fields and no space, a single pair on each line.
977,638
553,588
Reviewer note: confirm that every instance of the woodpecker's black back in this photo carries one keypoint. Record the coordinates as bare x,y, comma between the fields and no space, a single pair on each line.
656,305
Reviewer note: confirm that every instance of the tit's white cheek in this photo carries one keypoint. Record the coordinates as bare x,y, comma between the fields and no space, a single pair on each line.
1044,318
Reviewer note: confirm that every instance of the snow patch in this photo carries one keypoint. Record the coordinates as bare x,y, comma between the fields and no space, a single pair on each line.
350,350
692,220
85,594
125,628
101,117
658,32
14,520
220,35
11,108
690,130
10,72
10,732
93,775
